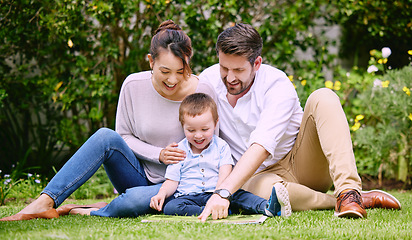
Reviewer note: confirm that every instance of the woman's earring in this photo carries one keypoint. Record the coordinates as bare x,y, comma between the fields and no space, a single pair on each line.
151,71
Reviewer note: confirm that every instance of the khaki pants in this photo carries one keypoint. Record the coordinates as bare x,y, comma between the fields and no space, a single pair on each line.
322,156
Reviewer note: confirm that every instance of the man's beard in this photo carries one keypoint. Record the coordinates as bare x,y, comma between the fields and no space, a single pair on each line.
233,91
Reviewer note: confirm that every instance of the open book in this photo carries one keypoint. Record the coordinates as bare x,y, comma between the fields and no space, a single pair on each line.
231,219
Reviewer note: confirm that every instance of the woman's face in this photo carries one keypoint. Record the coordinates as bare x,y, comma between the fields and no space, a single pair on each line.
168,74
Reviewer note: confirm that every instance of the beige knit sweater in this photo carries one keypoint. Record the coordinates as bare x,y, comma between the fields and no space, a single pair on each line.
149,122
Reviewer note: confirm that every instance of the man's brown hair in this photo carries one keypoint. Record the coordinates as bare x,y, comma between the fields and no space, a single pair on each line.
242,40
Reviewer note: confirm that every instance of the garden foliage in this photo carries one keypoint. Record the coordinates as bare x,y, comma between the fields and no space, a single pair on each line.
382,126
62,64
375,24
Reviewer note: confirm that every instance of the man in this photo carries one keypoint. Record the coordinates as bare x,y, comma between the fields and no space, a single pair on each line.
274,141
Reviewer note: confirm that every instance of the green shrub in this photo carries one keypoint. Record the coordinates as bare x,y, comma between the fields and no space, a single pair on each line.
384,138
98,186
368,25
62,62
379,108
29,186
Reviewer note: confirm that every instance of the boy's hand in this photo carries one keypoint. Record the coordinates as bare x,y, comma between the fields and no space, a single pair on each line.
157,202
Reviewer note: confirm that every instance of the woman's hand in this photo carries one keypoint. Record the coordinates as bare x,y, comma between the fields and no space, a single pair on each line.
171,154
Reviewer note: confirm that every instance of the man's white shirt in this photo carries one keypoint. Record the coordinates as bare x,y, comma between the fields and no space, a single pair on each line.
269,114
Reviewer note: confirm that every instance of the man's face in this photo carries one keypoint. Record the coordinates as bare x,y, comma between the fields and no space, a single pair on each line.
237,73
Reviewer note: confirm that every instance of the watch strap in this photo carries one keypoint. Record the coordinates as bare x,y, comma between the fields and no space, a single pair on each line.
223,193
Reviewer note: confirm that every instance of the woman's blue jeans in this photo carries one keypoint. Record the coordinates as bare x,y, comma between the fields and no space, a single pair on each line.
123,168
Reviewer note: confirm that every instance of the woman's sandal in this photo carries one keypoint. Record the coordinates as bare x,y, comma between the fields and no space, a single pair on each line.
51,213
65,210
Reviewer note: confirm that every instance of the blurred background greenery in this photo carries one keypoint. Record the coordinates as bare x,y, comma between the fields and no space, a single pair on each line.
62,64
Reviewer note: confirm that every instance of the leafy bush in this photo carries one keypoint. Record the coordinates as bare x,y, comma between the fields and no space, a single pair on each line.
98,186
6,184
379,108
12,186
29,186
383,139
62,62
370,25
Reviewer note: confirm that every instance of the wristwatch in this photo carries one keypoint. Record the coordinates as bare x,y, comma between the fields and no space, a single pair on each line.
223,193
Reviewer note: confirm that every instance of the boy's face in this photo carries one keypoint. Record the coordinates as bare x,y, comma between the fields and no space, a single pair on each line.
199,130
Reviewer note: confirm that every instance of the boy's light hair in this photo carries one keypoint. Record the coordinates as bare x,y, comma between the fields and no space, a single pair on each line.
196,104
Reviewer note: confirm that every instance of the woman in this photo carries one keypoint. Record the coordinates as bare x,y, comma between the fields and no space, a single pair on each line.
147,129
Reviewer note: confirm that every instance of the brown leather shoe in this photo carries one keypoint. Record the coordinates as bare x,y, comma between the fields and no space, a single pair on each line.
64,210
379,199
349,205
51,213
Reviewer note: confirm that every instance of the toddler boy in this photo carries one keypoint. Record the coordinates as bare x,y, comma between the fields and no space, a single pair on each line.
208,162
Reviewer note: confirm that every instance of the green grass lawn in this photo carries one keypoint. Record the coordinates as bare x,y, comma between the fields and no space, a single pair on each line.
380,224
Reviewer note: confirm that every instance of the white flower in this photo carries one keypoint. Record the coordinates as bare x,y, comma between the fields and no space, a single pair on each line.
6,175
386,52
29,175
7,181
37,181
377,83
372,68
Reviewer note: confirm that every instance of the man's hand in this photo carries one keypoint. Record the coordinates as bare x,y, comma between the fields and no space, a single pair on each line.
171,154
216,206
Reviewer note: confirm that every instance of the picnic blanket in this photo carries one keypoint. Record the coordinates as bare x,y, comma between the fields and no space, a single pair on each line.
231,219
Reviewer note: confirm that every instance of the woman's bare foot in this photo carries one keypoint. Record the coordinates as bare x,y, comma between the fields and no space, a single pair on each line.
82,211
41,204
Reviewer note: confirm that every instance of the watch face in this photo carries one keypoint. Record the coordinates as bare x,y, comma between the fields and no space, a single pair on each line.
223,193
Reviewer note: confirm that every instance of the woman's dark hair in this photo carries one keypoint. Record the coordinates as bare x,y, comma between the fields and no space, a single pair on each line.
170,36
242,40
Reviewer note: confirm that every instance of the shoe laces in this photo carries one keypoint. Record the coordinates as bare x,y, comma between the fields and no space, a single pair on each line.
352,196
